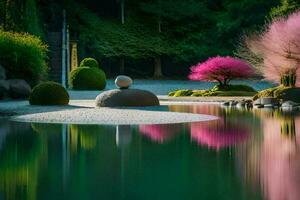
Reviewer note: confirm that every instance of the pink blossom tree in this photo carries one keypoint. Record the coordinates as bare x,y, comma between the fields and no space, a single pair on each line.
221,69
279,46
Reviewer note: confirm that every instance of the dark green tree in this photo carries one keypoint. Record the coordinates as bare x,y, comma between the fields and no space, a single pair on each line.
285,8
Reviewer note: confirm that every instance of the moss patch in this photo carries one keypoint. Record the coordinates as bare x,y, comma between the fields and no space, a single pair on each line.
230,90
281,92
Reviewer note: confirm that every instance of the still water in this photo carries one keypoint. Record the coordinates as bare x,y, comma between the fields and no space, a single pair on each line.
242,155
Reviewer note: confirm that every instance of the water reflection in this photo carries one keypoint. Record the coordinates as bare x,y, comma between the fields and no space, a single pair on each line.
161,132
219,134
250,155
278,157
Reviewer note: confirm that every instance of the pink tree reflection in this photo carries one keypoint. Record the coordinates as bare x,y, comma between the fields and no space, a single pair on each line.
219,134
160,132
280,161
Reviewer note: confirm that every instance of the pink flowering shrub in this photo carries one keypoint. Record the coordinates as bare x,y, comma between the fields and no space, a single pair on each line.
221,70
279,46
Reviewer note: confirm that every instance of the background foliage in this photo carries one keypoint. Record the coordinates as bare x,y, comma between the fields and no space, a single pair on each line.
179,33
23,56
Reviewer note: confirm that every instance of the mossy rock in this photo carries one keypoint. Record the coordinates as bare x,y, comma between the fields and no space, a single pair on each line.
172,93
89,62
241,88
199,93
49,93
87,78
282,93
288,94
229,90
265,93
183,93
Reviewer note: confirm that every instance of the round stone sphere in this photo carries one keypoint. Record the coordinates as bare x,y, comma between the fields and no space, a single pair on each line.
123,82
129,97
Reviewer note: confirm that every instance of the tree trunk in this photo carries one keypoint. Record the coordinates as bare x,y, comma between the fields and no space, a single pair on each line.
122,65
157,67
123,11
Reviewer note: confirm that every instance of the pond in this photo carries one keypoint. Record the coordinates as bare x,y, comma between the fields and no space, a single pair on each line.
242,155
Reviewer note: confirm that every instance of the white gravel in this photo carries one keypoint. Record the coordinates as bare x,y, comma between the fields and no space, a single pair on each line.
83,112
120,116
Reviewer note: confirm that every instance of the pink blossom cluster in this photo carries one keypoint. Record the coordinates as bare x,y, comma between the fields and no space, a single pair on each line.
221,69
279,46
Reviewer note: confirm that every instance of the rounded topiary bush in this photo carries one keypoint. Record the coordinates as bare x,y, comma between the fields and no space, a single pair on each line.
87,78
89,62
49,93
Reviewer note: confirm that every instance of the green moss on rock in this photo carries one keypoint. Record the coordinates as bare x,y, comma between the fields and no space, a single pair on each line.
242,88
87,78
49,93
230,90
282,93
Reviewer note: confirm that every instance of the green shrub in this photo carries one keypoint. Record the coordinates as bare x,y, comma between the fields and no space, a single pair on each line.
49,93
200,93
89,62
172,93
183,93
244,88
87,78
23,56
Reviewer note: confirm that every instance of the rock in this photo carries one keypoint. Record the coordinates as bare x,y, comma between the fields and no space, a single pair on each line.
269,106
249,105
233,103
123,82
2,73
258,106
241,104
4,88
267,100
129,97
19,89
226,103
289,105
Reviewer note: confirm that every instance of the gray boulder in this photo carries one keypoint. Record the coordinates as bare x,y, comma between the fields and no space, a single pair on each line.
19,89
289,105
266,101
123,82
2,73
226,103
241,104
129,97
4,88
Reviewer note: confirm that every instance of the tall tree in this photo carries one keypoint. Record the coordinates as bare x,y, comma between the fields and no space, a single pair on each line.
285,8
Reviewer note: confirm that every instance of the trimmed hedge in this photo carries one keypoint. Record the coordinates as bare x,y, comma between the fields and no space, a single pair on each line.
87,78
49,93
89,62
23,56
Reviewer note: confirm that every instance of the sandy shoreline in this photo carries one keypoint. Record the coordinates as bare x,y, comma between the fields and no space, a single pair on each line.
84,112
